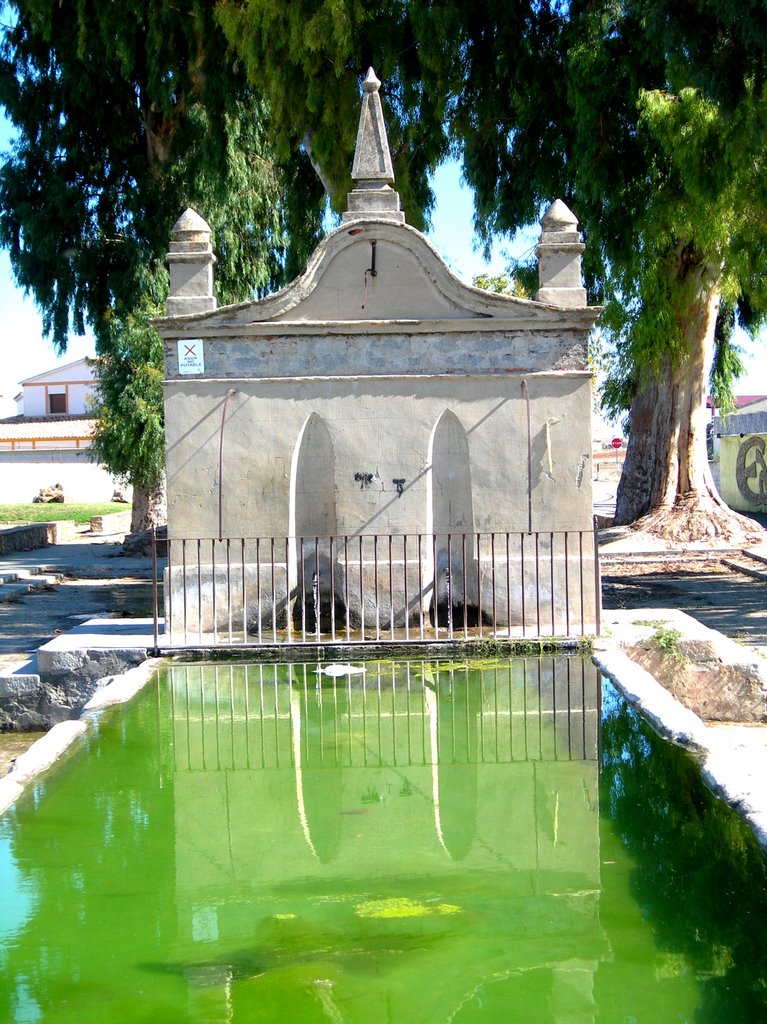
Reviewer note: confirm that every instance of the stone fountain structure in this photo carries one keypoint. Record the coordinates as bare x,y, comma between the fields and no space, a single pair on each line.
377,394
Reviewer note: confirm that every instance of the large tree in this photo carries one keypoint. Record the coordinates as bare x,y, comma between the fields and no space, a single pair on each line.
646,116
124,115
658,143
129,435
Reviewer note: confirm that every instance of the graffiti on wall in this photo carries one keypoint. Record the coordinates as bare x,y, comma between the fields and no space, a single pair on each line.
751,471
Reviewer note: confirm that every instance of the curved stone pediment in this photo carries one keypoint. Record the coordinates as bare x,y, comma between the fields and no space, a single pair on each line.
374,270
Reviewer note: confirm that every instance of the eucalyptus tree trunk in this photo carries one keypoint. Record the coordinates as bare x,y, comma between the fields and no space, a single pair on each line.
666,487
149,508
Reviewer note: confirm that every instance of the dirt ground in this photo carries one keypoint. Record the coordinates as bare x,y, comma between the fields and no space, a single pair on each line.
719,597
30,621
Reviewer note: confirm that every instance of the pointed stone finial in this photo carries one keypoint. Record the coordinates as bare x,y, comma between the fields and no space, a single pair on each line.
559,258
190,261
372,170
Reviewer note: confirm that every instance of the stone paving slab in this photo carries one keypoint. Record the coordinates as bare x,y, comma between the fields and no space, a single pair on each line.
97,648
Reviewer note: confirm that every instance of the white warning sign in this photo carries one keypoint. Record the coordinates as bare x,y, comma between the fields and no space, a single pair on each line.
190,356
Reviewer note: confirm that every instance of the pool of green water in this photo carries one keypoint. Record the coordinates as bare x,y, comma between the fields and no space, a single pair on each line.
416,842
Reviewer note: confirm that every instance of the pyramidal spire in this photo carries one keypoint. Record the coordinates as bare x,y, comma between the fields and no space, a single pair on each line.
372,170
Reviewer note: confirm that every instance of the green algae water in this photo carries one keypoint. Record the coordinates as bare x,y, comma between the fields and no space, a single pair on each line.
414,842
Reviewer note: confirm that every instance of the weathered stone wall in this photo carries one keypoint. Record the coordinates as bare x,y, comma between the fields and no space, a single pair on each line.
35,535
377,456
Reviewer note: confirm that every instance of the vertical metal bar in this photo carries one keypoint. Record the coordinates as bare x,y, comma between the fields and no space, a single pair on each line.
449,586
247,718
551,582
302,589
244,593
199,590
375,586
317,593
479,583
567,584
259,610
420,584
261,714
393,717
229,587
522,580
569,713
405,590
538,583
554,707
185,587
213,580
231,714
492,580
364,721
202,722
349,717
581,581
379,719
288,609
583,706
435,586
362,592
464,575
346,587
332,589
508,586
274,594
155,602
391,590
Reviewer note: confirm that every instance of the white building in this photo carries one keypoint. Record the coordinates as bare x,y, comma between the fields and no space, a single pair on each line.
47,441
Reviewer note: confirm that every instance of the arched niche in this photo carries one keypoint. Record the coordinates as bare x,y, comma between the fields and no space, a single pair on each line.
312,522
451,561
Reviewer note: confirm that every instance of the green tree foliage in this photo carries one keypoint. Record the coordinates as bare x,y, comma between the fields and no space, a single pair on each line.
129,431
126,114
307,57
507,284
647,118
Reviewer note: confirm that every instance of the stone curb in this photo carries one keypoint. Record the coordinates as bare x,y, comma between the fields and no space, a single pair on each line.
46,751
121,688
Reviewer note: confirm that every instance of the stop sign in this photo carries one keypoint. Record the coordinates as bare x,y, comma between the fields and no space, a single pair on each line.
617,442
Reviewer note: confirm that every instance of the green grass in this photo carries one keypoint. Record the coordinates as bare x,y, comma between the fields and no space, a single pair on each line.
43,513
667,641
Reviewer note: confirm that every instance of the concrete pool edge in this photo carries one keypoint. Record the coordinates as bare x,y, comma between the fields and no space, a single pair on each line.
732,757
62,737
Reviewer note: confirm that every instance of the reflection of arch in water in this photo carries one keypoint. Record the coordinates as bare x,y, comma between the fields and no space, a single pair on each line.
311,521
314,717
454,741
451,563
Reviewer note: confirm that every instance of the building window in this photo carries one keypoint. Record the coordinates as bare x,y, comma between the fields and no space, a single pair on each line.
57,404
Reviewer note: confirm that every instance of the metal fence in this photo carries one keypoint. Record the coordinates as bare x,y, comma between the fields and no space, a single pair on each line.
381,588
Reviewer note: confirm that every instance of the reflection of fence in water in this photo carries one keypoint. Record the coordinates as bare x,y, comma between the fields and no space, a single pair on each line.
401,714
